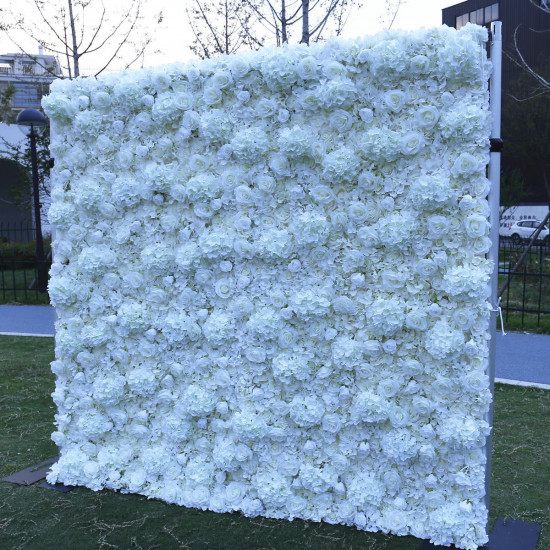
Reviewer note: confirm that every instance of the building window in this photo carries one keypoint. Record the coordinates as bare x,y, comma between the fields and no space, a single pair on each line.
26,95
491,13
482,16
476,17
461,20
28,68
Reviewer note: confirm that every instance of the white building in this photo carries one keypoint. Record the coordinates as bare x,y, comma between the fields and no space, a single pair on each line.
30,76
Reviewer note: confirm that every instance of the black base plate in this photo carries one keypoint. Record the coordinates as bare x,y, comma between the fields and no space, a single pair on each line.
508,534
32,474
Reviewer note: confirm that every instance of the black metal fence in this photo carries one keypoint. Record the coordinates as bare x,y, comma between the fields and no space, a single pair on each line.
16,232
526,300
19,266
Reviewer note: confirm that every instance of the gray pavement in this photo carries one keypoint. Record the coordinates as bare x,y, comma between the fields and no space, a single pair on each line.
524,357
29,320
519,357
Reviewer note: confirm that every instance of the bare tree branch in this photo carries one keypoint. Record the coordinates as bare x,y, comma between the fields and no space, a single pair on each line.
278,18
545,84
74,29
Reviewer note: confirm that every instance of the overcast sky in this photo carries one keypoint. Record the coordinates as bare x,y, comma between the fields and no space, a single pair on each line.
369,19
173,39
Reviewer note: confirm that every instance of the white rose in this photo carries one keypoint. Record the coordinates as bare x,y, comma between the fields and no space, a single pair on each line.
243,306
358,212
101,100
438,226
333,69
395,100
265,107
279,164
224,288
465,165
390,346
420,64
340,120
476,226
307,68
221,79
387,203
243,248
480,187
226,266
244,195
239,66
416,320
467,202
243,96
427,116
235,492
266,184
366,114
212,96
411,143
322,194
294,266
295,505
388,387
199,163
283,115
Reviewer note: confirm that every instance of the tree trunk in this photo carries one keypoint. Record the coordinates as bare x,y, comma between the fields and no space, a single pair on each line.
226,28
283,22
305,22
75,45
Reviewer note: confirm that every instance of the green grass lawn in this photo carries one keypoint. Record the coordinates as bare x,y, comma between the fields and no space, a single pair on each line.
32,518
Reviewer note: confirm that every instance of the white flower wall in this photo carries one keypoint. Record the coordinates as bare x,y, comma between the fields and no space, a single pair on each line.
271,283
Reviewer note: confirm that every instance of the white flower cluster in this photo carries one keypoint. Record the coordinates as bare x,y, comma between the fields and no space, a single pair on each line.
270,281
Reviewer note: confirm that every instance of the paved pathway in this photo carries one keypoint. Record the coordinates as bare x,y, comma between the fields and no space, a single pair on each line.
520,357
524,357
29,320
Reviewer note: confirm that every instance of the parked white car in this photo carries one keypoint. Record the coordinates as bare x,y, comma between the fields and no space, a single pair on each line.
523,230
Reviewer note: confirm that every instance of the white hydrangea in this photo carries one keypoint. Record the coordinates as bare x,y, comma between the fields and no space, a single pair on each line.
443,340
306,411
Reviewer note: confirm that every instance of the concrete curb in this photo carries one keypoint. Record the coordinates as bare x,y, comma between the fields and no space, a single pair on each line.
524,384
27,334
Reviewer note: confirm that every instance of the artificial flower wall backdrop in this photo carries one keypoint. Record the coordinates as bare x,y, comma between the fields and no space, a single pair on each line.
271,281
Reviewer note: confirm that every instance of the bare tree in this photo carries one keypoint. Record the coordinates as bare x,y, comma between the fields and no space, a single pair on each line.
392,9
315,19
225,26
221,27
77,29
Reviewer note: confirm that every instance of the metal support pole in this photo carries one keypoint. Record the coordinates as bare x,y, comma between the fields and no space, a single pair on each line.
42,279
494,218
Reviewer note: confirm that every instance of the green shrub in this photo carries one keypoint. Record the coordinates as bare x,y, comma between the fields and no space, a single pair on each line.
19,255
